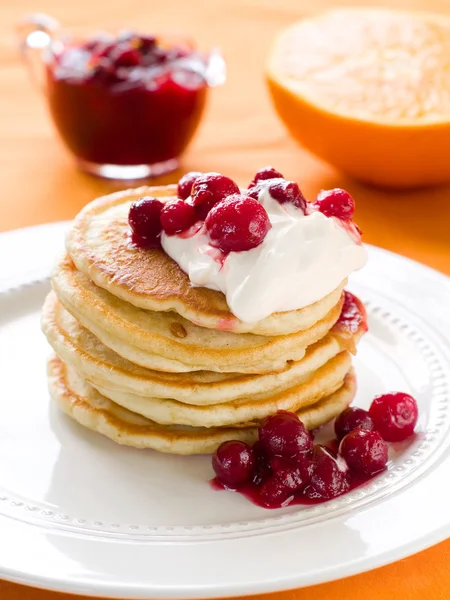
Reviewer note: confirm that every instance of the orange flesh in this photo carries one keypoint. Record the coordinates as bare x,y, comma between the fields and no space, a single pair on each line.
368,90
369,64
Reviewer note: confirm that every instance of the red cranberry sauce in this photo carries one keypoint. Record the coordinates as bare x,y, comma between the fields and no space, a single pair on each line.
252,492
285,467
126,101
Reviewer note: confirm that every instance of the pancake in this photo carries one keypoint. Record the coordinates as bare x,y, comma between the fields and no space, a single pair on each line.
87,406
98,243
107,370
165,341
323,382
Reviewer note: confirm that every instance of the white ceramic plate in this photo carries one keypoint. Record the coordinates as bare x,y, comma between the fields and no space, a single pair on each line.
81,514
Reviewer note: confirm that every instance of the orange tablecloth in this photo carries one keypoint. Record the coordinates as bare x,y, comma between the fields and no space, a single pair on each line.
240,134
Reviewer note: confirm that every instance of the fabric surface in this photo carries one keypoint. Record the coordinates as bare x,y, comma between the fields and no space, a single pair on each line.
240,133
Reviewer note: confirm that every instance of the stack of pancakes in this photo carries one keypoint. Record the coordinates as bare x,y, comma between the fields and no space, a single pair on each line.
148,360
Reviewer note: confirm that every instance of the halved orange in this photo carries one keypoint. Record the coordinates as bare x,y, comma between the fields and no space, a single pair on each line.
368,90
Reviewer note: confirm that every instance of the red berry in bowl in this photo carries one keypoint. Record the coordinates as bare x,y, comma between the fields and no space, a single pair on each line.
147,43
365,452
394,415
185,184
144,217
234,463
126,57
283,434
237,223
177,216
330,475
335,203
351,418
210,188
265,173
105,50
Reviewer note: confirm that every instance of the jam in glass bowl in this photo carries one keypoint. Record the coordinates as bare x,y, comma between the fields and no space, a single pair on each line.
126,105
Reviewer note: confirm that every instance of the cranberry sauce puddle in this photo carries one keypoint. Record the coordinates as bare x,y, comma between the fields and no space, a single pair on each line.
127,101
251,491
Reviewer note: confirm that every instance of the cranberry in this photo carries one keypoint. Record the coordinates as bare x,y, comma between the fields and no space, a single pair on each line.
154,56
145,243
300,466
395,415
350,419
265,173
177,216
289,477
104,50
353,315
262,470
288,192
364,451
145,217
330,475
237,223
147,43
274,493
128,57
210,188
185,184
335,203
103,72
283,434
234,463
281,190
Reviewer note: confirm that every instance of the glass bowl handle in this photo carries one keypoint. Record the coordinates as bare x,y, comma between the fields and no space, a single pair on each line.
35,33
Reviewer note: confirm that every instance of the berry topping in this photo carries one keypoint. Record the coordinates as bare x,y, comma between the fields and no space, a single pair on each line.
330,475
364,451
353,315
394,415
185,184
237,223
146,243
210,188
283,434
288,192
284,192
265,173
177,216
234,463
350,419
335,203
144,217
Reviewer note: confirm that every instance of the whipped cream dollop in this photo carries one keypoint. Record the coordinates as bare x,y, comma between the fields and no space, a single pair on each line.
303,258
